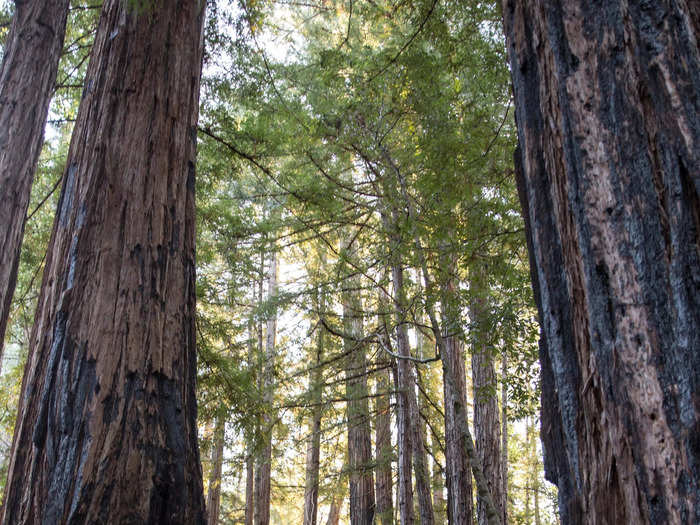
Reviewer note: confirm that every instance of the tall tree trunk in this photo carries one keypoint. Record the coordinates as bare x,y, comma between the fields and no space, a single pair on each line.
504,434
27,78
313,445
609,130
448,376
359,431
264,464
411,440
106,431
487,429
250,444
249,485
214,489
460,504
384,452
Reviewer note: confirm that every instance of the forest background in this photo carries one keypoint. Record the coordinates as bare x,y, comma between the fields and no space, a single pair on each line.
339,141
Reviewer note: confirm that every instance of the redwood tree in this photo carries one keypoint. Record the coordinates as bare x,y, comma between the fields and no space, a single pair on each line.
609,127
106,431
27,78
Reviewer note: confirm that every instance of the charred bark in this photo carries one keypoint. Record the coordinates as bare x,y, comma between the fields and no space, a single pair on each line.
609,131
106,431
27,78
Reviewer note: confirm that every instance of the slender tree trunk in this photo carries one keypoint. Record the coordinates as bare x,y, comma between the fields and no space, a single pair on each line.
609,129
384,452
460,503
487,428
504,434
249,485
214,489
106,431
411,441
334,514
420,463
359,431
250,445
263,467
27,78
313,445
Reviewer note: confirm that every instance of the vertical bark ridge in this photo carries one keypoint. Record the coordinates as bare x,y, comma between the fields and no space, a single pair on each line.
27,77
609,127
106,431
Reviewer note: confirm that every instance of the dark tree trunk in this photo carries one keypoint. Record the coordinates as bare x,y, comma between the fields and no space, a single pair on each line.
263,470
27,78
359,431
609,128
214,488
106,431
384,452
460,503
487,429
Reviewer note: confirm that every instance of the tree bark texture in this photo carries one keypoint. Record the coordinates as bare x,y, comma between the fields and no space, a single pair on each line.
106,431
359,430
608,120
27,79
384,453
263,469
487,429
214,488
458,475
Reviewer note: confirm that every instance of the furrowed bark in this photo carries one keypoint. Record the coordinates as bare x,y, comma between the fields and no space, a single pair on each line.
27,79
460,504
106,431
487,428
609,131
263,469
214,488
359,431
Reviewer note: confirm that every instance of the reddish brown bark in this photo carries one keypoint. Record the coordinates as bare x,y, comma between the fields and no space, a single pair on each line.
487,430
106,431
359,431
460,503
609,130
27,78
